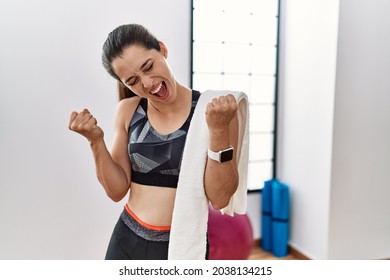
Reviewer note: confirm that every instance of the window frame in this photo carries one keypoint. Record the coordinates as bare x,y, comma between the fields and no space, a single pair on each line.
276,88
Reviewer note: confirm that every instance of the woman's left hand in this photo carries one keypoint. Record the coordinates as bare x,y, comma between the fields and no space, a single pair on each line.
220,112
221,179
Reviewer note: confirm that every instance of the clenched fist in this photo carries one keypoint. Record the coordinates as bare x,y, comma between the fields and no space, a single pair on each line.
85,124
220,112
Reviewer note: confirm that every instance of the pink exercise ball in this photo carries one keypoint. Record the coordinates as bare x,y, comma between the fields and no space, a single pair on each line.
230,238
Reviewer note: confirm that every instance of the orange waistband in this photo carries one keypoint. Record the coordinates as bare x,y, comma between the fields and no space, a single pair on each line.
158,228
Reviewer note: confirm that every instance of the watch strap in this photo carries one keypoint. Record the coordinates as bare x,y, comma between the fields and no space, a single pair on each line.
217,155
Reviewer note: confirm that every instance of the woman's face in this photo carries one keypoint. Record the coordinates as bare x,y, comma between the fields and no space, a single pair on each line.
146,72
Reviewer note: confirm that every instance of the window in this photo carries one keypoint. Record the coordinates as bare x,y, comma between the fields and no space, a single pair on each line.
235,45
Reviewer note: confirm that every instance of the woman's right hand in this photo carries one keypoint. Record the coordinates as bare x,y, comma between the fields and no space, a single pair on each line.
85,124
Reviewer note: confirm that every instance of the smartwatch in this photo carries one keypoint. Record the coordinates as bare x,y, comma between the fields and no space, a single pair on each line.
221,156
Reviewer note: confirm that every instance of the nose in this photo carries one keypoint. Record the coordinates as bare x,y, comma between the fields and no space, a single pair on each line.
146,81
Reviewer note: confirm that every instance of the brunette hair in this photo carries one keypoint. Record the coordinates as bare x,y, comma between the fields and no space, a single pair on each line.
121,37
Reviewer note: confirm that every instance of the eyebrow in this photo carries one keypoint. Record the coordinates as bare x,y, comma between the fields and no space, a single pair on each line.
142,67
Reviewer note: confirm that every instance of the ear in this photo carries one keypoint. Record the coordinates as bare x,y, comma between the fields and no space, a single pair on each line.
163,49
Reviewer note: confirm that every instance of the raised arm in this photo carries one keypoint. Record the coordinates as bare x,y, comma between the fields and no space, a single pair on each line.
221,179
112,169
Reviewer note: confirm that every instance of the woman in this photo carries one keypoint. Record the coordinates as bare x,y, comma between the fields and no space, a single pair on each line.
150,133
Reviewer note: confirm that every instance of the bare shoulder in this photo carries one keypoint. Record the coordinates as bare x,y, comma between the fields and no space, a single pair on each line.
127,103
125,110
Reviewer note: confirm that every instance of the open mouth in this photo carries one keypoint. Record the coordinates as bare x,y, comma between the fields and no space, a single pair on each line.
160,90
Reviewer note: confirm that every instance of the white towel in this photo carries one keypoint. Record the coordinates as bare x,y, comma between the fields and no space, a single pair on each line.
190,213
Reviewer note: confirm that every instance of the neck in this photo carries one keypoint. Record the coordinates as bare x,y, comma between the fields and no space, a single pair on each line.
181,96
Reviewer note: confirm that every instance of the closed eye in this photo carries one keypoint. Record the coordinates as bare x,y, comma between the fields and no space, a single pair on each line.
132,81
149,67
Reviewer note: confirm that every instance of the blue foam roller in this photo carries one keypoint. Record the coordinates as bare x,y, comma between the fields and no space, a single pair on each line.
280,201
266,232
279,238
280,217
266,216
266,196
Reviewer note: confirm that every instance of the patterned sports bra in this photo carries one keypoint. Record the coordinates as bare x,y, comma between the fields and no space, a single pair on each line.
155,158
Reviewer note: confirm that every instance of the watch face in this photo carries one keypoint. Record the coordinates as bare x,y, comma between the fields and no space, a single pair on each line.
227,155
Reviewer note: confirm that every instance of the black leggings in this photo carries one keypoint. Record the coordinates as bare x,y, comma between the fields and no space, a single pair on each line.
126,245
133,241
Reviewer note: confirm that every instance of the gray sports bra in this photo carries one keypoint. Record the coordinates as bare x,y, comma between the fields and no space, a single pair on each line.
155,158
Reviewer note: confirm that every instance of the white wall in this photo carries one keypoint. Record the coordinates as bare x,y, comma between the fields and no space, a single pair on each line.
334,126
360,187
308,61
51,204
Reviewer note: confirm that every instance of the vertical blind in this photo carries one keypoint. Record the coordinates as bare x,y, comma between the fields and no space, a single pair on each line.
234,47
